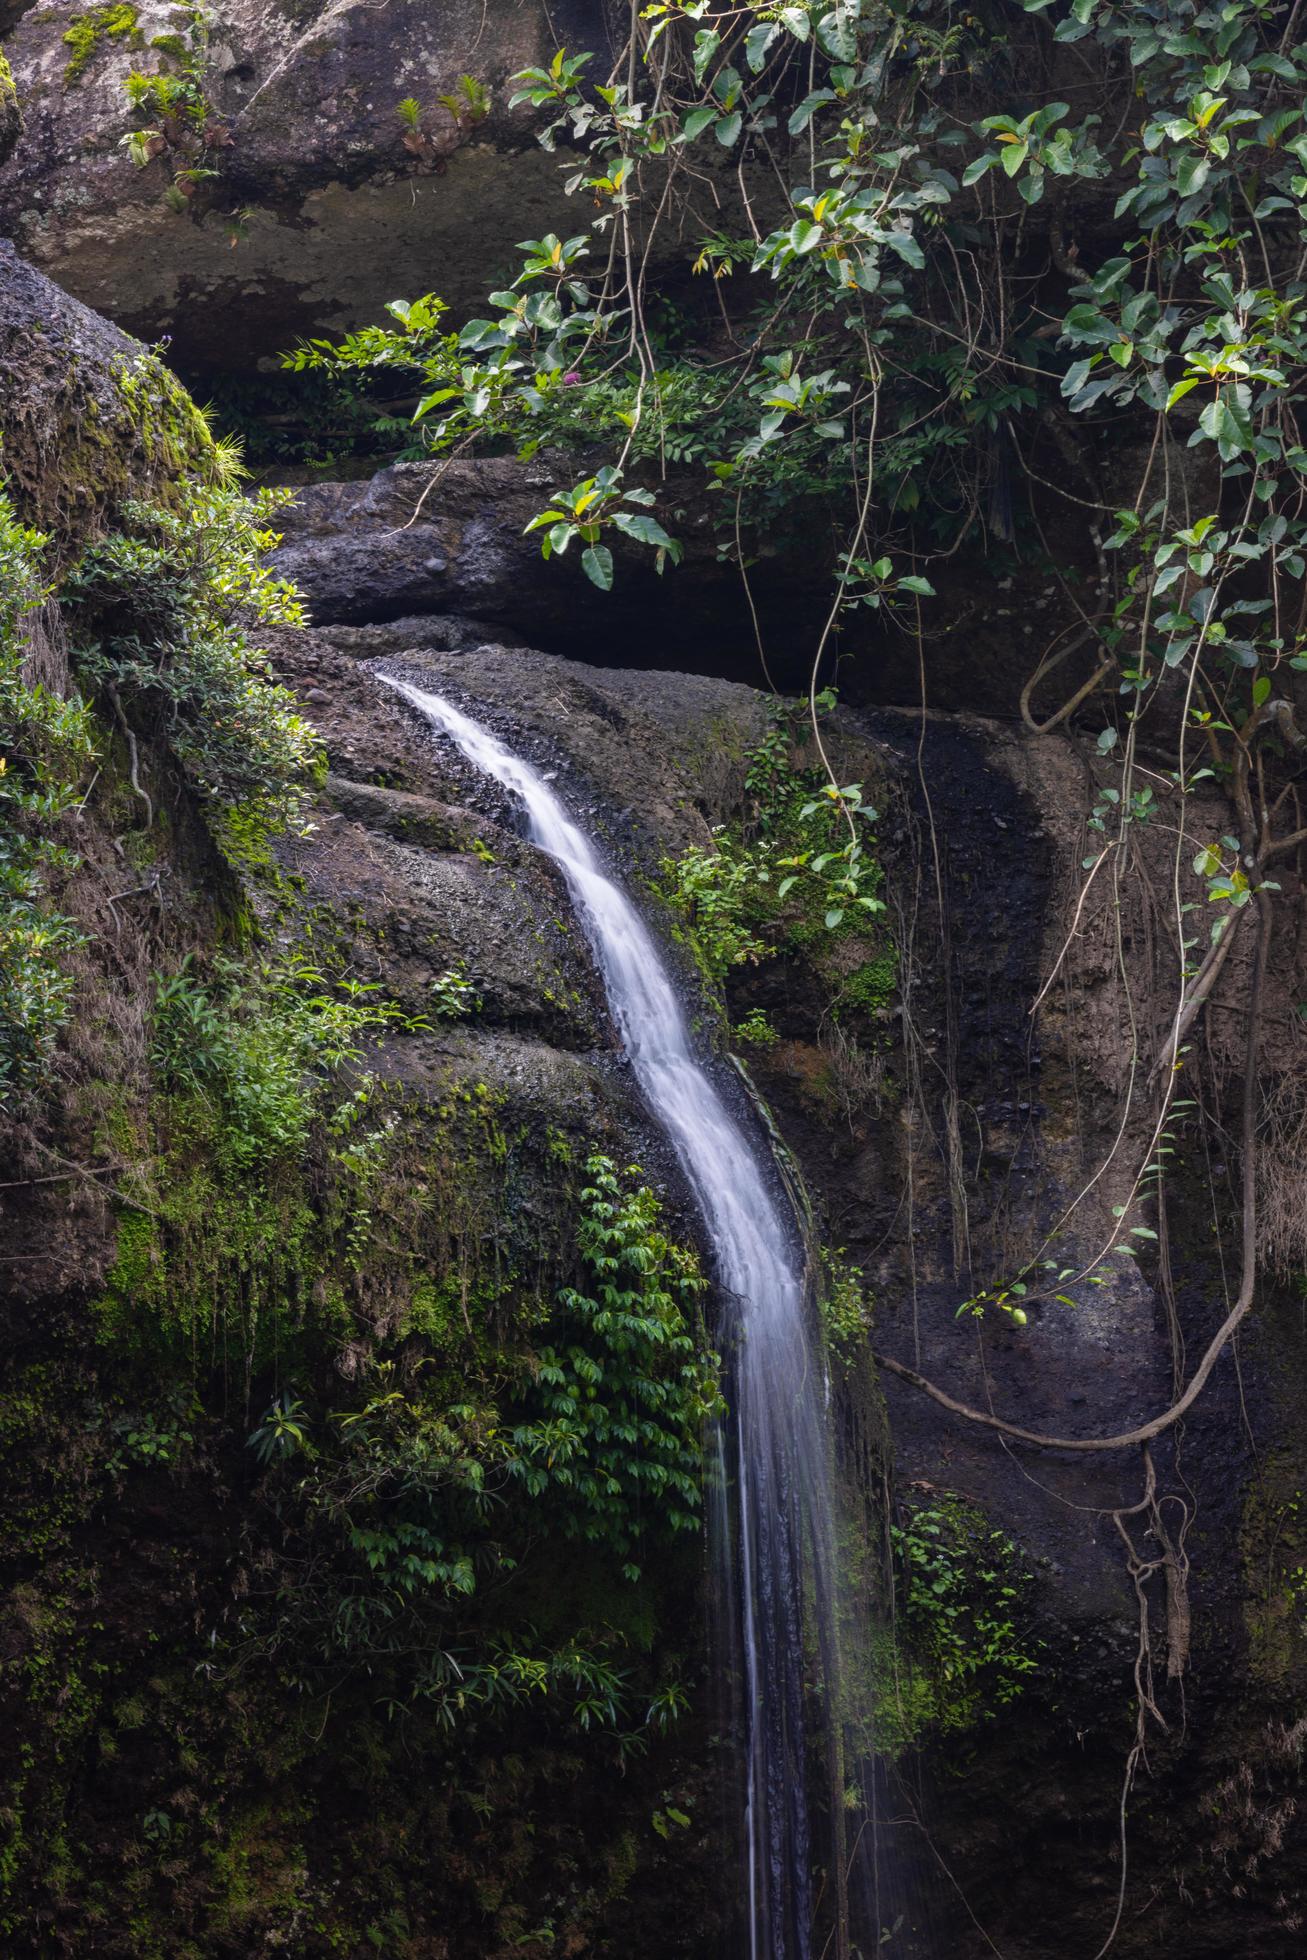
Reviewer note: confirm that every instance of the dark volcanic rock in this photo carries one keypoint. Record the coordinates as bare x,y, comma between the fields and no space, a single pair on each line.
88,415
341,216
448,538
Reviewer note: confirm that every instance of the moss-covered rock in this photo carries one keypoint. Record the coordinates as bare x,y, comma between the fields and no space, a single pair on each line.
88,416
11,114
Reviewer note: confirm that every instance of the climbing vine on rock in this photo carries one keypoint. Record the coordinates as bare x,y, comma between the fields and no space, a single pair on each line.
46,749
164,612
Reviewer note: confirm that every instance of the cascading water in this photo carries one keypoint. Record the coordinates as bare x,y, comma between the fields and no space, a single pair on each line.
784,1550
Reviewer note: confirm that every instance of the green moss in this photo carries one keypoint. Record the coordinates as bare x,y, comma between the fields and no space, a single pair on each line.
869,989
1273,1548
8,87
130,431
89,31
170,431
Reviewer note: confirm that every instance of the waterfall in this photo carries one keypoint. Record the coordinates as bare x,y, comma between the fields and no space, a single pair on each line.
782,1570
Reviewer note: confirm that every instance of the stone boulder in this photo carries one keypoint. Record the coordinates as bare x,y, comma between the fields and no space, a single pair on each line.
87,415
339,215
446,541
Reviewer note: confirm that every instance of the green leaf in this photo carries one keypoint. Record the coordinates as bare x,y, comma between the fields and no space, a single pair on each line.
979,165
729,128
697,121
807,109
1192,174
1228,425
597,564
644,529
757,42
907,248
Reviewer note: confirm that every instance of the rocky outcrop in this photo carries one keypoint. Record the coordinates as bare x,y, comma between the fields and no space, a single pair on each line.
89,416
427,541
940,1151
337,214
11,114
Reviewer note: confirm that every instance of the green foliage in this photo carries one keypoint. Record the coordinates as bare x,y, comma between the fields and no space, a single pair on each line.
263,1045
590,507
176,118
755,1030
164,612
150,1438
410,1501
466,104
845,1308
90,30
45,752
795,872
623,1396
716,892
468,101
963,1613
453,995
1273,1548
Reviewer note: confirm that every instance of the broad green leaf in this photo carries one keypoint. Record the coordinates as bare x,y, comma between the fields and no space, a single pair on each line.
757,42
807,109
907,248
979,165
597,563
696,122
1228,426
1192,174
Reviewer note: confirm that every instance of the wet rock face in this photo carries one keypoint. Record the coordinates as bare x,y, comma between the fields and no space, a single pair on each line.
998,1136
88,415
341,216
1024,1802
423,541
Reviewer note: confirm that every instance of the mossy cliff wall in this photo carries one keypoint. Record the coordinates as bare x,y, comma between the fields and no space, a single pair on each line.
303,1639
291,1650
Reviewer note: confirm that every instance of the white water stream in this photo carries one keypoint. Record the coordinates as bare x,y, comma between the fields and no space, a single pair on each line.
780,1569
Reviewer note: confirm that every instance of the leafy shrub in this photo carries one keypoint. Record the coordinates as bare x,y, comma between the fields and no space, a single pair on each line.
716,892
962,1611
453,995
845,1308
755,1030
409,1502
622,1398
262,1044
165,611
797,870
45,747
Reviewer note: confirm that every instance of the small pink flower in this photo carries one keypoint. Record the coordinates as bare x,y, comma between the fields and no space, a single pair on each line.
571,380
